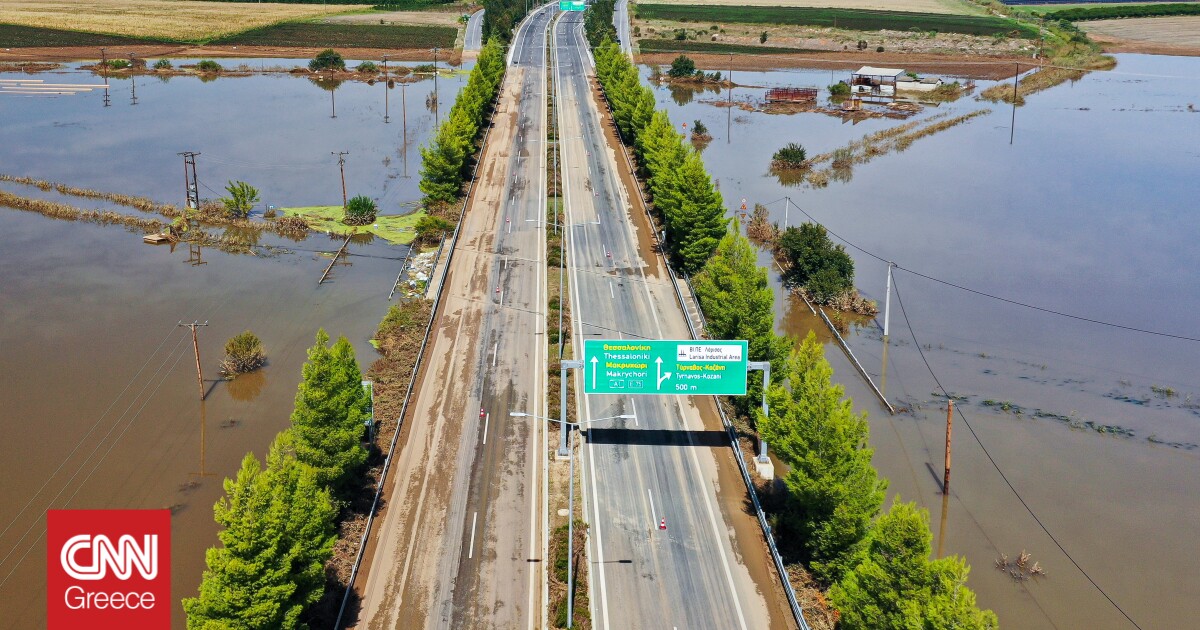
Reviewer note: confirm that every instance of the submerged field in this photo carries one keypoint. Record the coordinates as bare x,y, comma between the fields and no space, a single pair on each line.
158,19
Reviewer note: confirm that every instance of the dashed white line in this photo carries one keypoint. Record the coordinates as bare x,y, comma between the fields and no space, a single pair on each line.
486,419
653,514
471,549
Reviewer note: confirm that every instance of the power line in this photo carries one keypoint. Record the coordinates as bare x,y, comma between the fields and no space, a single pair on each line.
1035,307
991,459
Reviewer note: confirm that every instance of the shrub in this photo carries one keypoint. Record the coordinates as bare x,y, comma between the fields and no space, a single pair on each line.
208,65
424,68
241,199
328,59
841,88
699,129
243,353
879,49
118,64
682,67
360,210
367,67
162,64
431,228
762,39
792,155
815,262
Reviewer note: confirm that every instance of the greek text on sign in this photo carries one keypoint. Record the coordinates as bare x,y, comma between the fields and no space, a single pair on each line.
711,352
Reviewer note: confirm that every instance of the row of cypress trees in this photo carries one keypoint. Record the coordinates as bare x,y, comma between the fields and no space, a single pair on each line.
279,523
446,162
688,205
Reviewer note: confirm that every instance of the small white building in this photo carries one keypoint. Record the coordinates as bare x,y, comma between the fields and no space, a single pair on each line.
872,81
926,84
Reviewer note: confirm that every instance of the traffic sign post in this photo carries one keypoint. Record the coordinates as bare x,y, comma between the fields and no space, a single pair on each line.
572,5
664,367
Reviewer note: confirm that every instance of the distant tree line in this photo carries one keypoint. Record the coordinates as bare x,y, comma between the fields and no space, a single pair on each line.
1079,14
279,522
501,17
446,162
598,22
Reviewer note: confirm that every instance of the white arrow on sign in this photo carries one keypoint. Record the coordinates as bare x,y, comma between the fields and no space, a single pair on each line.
594,361
661,377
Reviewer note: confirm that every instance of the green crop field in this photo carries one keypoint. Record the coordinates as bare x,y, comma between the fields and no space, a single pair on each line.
854,19
313,35
14,36
671,45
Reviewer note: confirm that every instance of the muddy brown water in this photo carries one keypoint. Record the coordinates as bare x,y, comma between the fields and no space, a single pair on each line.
1089,212
98,389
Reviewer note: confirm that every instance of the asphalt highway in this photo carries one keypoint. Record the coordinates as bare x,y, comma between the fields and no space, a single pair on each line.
660,465
473,38
460,544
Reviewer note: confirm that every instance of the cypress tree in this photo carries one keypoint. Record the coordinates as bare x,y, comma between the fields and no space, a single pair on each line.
330,409
278,533
834,491
897,587
696,221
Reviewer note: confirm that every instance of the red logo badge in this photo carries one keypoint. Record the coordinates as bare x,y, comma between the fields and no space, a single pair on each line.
108,569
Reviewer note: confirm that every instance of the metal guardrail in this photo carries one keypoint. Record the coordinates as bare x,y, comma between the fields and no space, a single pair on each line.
437,300
793,603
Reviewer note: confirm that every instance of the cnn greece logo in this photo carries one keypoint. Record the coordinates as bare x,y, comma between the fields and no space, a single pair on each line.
122,557
108,569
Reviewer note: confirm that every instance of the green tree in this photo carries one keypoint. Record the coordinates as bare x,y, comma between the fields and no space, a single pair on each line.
360,210
278,532
834,491
738,303
329,413
328,59
815,262
682,67
241,199
897,587
598,22
790,155
696,220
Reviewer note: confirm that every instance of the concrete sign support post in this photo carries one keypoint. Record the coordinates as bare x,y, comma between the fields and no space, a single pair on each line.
563,450
765,366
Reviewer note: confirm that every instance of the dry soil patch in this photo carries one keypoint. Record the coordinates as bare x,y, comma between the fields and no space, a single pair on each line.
1183,30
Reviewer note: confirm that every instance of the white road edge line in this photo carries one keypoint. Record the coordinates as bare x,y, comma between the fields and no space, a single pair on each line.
486,419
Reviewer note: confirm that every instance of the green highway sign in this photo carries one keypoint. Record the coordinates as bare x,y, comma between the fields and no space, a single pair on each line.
666,367
572,5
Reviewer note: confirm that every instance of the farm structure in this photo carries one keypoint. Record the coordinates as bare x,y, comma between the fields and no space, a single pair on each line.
791,95
872,81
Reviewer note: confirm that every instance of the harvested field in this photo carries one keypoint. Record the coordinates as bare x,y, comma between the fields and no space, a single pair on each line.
424,18
157,19
673,46
855,19
921,6
314,35
1174,31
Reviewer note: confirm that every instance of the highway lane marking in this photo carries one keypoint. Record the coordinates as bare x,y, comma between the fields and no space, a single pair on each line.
486,419
471,549
653,514
495,347
610,290
633,404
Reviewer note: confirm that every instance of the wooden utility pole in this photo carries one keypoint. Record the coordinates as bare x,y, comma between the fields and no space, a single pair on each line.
435,91
196,348
385,90
1012,130
949,424
341,156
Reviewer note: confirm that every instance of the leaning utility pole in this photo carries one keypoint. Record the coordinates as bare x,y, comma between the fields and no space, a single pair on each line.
341,156
196,348
949,423
385,89
435,91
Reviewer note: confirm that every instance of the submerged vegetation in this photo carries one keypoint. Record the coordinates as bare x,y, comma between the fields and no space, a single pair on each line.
244,352
791,156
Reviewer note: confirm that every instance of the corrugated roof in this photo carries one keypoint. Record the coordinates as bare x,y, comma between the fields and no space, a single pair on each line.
879,72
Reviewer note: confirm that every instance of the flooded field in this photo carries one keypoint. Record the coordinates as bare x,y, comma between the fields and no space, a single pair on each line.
1089,213
100,403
